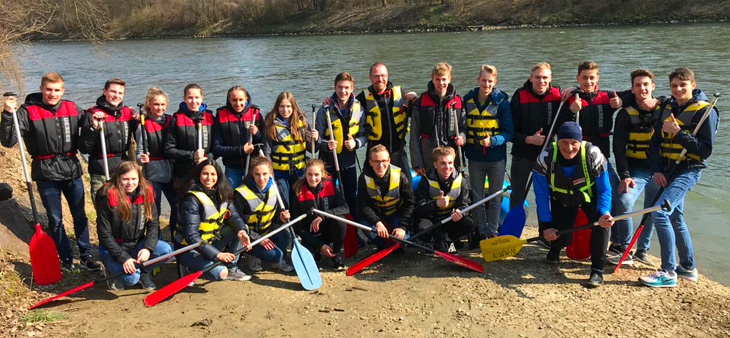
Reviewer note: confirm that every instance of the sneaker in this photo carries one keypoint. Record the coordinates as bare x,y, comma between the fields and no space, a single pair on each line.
543,243
553,257
614,259
643,257
594,281
114,284
682,273
659,279
89,264
146,280
615,249
337,264
254,263
68,265
283,267
235,273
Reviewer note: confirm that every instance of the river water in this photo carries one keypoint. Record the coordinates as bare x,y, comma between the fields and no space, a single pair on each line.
307,65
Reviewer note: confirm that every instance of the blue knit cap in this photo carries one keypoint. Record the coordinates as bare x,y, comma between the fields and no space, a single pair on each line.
570,130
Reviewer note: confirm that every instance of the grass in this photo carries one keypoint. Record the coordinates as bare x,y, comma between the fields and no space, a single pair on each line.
42,316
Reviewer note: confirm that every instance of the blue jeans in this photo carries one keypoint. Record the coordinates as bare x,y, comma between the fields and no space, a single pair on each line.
113,267
73,190
391,222
284,183
171,195
228,242
623,203
281,241
235,176
673,231
486,217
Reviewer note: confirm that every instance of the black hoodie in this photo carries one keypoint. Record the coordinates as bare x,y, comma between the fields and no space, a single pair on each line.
368,208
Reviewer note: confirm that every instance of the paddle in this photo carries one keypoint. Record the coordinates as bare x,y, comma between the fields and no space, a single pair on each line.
669,178
144,145
172,288
499,247
43,256
314,117
454,116
465,262
103,149
105,278
516,218
247,125
355,268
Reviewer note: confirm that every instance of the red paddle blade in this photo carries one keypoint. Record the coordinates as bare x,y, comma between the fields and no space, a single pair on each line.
465,262
170,289
78,288
355,268
44,258
628,249
350,242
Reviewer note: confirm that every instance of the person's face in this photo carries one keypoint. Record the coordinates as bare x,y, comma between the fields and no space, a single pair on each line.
441,82
285,109
587,80
380,162
130,181
568,148
261,175
314,175
486,82
642,87
208,177
541,79
237,99
682,90
444,166
193,99
114,94
52,92
157,105
379,78
343,90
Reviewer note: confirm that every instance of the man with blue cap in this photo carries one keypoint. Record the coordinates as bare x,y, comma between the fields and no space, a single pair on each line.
571,174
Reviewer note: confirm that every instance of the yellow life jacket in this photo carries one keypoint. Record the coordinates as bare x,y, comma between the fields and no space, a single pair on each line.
571,191
434,191
481,123
669,149
390,201
374,117
262,213
353,125
210,221
288,154
639,135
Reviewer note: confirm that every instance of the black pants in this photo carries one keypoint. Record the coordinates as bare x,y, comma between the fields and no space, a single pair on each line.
330,231
519,171
454,229
564,217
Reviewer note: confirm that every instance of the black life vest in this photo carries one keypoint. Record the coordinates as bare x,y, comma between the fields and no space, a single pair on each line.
428,113
596,119
156,137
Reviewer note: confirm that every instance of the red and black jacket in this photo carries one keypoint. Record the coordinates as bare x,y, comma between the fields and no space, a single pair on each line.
596,118
530,112
51,137
230,133
119,124
159,169
181,141
326,197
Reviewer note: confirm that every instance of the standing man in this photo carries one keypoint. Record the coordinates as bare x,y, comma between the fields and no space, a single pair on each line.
488,128
534,107
119,124
572,174
433,122
386,114
673,132
50,128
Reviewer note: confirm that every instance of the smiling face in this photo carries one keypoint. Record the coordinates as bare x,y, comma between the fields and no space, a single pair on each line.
540,80
441,82
642,88
52,92
157,105
682,90
114,95
314,175
568,147
587,80
261,174
486,81
193,99
379,77
444,166
208,177
380,162
285,109
343,90
130,181
237,99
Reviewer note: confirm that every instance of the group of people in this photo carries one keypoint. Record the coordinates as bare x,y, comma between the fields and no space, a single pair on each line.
269,178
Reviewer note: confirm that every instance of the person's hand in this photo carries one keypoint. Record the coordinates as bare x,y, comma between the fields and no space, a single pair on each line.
199,156
625,184
350,143
400,233
456,215
248,148
10,104
411,96
606,221
326,251
144,158
252,129
100,115
550,234
566,92
615,101
648,104
671,126
420,171
332,144
536,139
459,141
142,255
487,141
314,134
577,104
267,244
243,238
381,230
442,201
225,257
314,226
129,267
285,215
660,180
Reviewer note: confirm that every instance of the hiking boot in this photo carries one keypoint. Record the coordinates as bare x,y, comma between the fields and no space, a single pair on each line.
615,248
543,243
68,265
594,281
690,275
337,264
660,279
114,284
235,273
254,263
88,263
553,257
146,280
614,259
643,257
283,266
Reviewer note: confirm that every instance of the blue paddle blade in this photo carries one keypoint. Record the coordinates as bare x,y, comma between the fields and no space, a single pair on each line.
305,266
514,222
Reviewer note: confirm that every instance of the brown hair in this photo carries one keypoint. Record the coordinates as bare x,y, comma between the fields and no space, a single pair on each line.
233,89
442,151
641,72
51,77
294,119
151,94
114,80
115,186
192,86
587,65
440,69
682,74
488,69
257,161
313,162
376,149
540,65
377,64
344,76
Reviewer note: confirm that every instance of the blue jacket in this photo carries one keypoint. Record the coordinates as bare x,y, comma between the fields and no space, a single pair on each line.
498,150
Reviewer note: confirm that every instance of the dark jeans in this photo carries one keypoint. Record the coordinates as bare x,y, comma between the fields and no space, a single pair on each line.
564,217
330,231
519,171
454,229
349,184
73,190
171,195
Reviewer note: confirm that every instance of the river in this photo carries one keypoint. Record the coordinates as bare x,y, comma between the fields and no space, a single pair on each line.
307,65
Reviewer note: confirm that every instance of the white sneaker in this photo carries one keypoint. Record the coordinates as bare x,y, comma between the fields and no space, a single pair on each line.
282,266
235,273
660,279
254,263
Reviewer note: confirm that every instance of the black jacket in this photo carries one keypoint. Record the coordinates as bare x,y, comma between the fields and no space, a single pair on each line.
230,134
530,112
118,129
369,210
328,198
426,206
181,139
389,139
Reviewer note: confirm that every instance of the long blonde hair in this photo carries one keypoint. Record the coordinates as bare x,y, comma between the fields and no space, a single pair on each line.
293,121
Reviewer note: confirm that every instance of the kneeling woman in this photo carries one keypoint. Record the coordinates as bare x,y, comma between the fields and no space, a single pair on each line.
317,190
206,212
126,222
